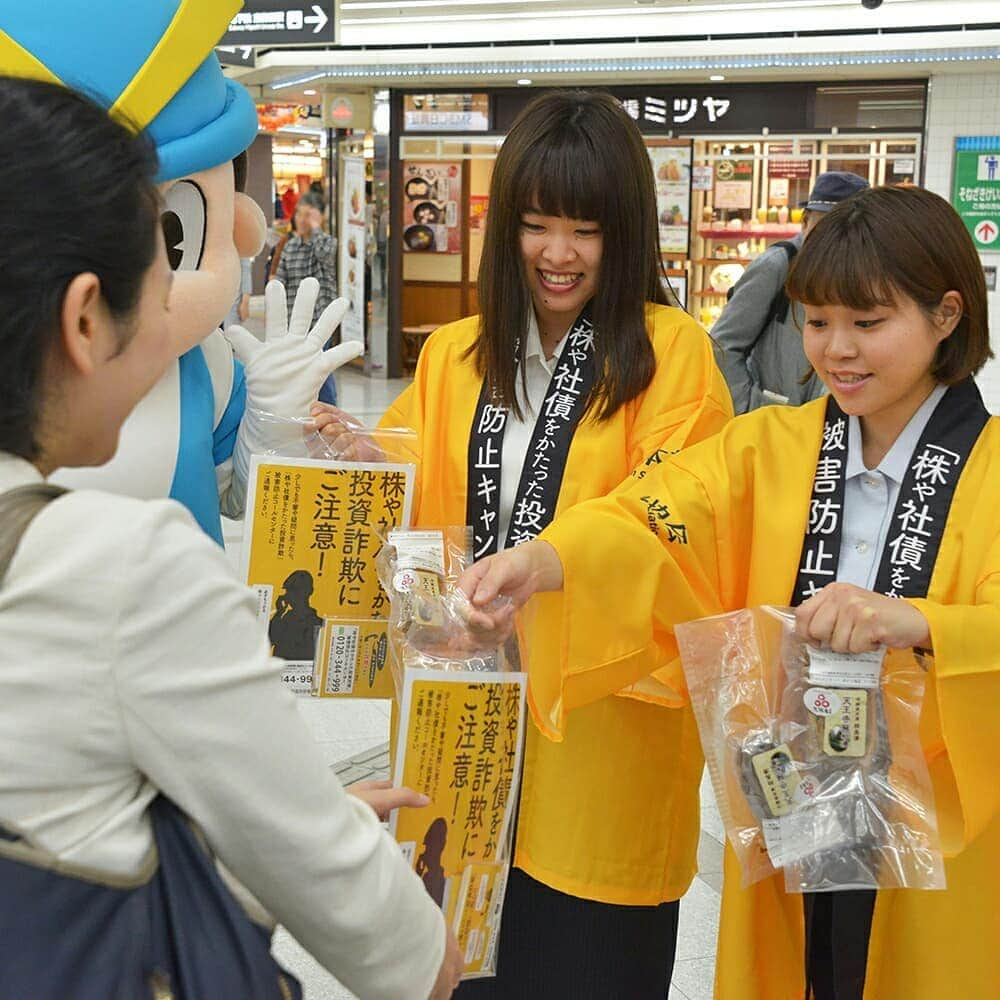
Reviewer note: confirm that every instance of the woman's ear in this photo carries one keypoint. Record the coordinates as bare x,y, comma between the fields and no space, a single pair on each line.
949,311
83,316
249,226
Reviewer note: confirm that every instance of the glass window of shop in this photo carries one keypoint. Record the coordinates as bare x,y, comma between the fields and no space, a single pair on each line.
732,164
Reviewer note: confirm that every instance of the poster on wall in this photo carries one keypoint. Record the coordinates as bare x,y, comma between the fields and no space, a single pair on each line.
777,191
702,177
431,194
976,189
353,233
733,184
671,159
677,281
479,205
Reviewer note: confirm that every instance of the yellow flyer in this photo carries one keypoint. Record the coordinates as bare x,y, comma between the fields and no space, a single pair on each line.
310,544
460,743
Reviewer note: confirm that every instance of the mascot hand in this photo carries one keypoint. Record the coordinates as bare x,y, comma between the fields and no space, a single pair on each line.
284,374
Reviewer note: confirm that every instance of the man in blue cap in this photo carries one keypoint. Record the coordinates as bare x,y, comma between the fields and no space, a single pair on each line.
758,341
153,65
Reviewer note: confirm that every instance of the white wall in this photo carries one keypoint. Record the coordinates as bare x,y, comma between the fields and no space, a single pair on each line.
966,104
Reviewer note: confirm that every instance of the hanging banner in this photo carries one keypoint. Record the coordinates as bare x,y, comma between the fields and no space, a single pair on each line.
671,159
431,196
276,115
353,235
310,544
976,189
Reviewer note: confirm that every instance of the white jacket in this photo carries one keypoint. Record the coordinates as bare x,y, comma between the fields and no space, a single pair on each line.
131,662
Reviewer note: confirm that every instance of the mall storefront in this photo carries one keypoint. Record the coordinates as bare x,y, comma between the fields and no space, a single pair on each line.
731,164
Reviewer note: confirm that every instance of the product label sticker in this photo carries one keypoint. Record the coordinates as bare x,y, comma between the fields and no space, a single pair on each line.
820,701
845,732
791,838
853,670
779,779
418,550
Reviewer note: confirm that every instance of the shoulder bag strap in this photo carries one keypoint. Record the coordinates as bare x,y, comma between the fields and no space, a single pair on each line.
18,508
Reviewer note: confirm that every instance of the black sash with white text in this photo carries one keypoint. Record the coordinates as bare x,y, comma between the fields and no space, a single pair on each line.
921,510
545,461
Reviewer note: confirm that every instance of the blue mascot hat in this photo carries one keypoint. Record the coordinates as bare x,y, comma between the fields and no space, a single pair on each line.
151,64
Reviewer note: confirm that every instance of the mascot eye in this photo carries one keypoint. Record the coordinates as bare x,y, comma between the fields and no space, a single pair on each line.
183,222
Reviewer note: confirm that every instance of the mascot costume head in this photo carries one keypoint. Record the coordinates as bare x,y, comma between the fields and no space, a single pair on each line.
153,65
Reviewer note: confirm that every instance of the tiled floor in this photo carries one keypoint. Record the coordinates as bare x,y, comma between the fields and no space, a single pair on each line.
353,736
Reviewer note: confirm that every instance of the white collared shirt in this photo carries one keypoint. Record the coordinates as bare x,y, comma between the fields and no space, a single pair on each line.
517,436
132,662
870,496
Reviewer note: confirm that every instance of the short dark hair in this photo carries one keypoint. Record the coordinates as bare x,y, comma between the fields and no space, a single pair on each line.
77,196
579,155
891,241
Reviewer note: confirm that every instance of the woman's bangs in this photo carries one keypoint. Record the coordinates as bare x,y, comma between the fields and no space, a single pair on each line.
840,269
563,179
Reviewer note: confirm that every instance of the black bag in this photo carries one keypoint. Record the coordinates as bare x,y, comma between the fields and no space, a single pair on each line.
175,932
779,304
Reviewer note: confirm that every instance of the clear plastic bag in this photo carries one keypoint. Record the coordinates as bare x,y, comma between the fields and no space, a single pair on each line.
815,758
419,570
290,437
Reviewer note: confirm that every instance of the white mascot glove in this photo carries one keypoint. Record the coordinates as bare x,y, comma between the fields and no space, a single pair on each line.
285,373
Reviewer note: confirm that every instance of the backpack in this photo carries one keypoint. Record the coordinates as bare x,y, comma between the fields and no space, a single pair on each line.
779,304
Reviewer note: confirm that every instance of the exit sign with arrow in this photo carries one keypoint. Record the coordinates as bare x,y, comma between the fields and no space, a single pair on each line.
262,22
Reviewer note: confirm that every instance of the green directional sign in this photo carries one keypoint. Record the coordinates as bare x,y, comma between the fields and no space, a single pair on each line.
976,189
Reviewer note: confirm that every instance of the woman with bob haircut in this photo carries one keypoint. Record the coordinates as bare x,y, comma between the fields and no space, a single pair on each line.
874,512
137,692
575,373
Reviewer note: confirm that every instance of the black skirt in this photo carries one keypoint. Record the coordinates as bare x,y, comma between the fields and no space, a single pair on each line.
553,945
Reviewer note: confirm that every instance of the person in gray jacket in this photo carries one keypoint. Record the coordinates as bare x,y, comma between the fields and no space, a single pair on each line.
758,337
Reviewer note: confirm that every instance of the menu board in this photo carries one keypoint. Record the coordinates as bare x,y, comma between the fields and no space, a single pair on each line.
431,195
671,160
352,248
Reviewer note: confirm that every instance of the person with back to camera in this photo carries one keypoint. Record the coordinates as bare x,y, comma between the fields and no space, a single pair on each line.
574,375
874,512
759,336
136,689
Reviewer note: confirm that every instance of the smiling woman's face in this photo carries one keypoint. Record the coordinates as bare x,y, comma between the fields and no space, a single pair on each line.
877,362
562,265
